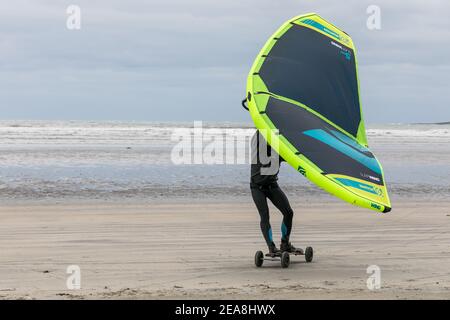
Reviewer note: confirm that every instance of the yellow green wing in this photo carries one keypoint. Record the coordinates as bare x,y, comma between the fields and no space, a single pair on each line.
304,87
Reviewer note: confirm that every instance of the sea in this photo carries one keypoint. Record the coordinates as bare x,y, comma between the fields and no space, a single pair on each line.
60,161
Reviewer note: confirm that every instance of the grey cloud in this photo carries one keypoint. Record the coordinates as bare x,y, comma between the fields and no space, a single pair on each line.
186,60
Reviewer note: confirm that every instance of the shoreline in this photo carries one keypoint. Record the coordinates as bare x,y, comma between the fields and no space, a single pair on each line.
239,193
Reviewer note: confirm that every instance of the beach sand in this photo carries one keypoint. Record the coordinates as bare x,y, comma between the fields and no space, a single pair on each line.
205,250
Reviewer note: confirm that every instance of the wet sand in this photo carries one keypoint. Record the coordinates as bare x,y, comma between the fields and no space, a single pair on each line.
205,250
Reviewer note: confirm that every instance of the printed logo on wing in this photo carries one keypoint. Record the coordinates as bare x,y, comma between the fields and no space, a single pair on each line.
321,27
375,206
365,175
360,185
379,191
301,170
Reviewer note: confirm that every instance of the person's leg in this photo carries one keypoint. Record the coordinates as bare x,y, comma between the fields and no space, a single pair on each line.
260,199
279,199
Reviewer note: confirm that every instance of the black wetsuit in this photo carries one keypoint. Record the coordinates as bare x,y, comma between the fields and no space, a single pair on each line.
264,185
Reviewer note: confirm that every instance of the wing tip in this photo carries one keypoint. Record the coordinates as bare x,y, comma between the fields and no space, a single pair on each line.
387,209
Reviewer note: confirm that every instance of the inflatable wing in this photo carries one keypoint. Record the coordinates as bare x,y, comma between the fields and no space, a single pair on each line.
303,87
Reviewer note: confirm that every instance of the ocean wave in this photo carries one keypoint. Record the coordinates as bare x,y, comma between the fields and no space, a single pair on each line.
410,133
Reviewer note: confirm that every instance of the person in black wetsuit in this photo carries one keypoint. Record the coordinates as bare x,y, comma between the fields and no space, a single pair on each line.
263,184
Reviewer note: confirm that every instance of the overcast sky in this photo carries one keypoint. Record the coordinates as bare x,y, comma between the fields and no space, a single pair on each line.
187,60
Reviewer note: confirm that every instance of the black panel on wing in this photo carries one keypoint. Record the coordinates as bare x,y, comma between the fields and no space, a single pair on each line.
292,121
311,68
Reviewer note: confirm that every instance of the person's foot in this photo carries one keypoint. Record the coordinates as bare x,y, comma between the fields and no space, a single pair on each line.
273,250
286,246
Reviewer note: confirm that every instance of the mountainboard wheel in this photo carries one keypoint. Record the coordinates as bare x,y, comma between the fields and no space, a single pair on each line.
259,258
285,260
309,253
